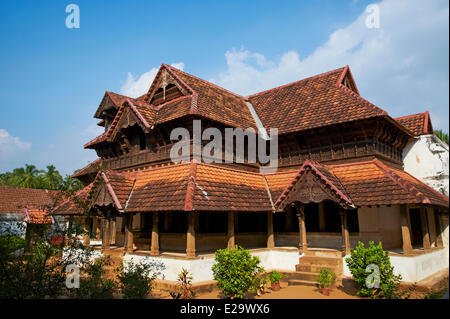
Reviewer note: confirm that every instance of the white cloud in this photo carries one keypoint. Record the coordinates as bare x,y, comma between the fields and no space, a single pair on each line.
11,148
136,86
401,67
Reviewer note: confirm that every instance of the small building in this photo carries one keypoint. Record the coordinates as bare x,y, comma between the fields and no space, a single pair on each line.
340,179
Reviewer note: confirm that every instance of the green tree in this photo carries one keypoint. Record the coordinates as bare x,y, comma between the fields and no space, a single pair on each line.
52,179
442,135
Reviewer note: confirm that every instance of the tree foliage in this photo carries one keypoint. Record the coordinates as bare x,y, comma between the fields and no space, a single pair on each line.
31,177
442,135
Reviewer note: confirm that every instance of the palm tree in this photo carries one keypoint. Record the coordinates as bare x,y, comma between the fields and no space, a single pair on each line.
52,179
28,177
442,135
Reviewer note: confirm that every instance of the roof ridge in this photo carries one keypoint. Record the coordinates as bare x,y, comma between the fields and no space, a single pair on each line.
210,83
410,115
111,191
295,82
190,189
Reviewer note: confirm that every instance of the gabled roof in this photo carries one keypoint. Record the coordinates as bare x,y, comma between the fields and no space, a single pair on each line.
13,199
313,102
330,186
419,124
112,98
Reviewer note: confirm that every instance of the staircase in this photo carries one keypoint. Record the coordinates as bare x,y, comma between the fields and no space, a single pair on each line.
310,263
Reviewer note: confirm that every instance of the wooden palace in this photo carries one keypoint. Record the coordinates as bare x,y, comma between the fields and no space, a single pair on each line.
340,176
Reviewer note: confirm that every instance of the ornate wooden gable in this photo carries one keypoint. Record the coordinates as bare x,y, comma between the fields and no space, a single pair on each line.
102,194
165,87
314,184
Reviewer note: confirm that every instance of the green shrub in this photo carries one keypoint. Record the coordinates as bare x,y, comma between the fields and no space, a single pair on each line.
235,270
363,276
136,279
275,277
10,243
326,278
93,284
259,283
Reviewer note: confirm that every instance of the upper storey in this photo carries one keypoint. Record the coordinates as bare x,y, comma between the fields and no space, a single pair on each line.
322,118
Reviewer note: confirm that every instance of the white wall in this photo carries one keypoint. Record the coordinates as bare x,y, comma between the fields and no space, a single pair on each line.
427,158
201,268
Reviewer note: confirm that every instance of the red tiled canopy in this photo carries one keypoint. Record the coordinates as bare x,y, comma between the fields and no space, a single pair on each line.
207,187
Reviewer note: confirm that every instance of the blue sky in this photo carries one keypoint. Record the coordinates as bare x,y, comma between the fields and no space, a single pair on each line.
53,78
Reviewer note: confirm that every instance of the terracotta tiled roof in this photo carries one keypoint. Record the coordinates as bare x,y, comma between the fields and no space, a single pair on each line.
205,187
376,183
312,102
217,103
37,216
91,168
419,124
13,199
71,206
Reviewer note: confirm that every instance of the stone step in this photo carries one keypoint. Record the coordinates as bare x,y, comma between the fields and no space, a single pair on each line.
320,260
315,268
304,275
330,253
298,282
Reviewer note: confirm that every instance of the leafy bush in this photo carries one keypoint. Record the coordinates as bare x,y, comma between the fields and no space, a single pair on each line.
235,270
326,278
136,279
358,263
40,271
275,277
184,286
93,285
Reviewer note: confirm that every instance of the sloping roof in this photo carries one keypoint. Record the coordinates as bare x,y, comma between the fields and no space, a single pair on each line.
115,98
217,103
37,216
13,199
206,187
312,102
419,124
91,168
72,205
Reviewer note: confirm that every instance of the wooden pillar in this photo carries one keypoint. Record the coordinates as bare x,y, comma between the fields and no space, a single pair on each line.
345,234
86,235
113,231
270,236
190,235
129,236
154,248
321,216
106,240
96,227
439,230
303,246
231,240
405,222
425,231
431,226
